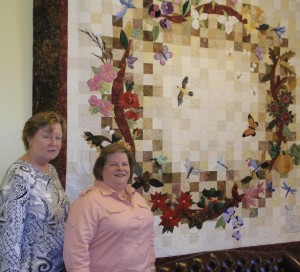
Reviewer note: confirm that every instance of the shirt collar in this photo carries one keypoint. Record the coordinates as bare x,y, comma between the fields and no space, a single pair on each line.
106,190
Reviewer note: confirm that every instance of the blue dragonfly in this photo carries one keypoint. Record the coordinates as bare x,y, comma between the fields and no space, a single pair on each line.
220,163
288,189
190,169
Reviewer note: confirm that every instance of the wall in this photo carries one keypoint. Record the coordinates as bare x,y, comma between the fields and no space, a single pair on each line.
15,77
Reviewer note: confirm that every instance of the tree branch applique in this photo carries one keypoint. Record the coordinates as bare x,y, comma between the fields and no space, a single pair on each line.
117,91
280,92
107,74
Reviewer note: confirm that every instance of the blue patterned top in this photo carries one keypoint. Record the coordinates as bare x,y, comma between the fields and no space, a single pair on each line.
33,212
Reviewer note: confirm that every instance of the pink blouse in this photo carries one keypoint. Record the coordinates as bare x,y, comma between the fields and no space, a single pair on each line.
105,233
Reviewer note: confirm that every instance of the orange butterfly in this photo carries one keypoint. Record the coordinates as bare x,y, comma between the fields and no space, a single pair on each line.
251,127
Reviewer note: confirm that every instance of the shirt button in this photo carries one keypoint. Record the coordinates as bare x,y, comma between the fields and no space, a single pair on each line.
133,208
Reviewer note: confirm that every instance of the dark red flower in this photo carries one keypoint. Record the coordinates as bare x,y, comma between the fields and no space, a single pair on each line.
159,201
184,201
273,108
129,100
169,219
286,98
286,117
131,115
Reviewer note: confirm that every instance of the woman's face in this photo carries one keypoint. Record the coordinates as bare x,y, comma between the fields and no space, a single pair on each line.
116,171
46,143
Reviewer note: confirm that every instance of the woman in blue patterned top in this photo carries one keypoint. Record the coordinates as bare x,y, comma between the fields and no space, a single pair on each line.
33,205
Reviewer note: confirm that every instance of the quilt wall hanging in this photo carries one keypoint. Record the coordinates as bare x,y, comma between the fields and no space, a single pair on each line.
205,94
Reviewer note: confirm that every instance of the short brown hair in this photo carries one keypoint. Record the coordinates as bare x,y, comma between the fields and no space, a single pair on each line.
40,120
108,150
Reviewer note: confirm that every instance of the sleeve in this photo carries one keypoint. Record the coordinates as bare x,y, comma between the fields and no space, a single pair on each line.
82,223
13,202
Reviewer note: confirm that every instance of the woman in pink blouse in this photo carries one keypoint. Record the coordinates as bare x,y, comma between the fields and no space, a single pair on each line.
110,225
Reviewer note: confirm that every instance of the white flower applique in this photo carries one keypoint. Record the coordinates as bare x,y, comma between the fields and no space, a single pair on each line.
253,67
228,21
247,53
198,18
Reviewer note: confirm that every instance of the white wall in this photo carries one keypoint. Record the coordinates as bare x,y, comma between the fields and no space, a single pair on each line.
15,77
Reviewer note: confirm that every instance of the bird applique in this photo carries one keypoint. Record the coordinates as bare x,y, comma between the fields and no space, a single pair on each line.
183,90
279,30
253,166
126,4
97,141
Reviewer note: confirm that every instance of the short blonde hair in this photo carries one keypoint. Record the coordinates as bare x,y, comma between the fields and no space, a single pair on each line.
40,120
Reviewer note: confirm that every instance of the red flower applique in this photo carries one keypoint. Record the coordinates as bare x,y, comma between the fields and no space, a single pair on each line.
129,100
159,201
169,219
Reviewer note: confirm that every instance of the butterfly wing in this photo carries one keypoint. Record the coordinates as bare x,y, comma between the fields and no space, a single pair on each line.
252,125
162,61
251,122
248,132
165,52
160,57
157,56
165,49
163,56
168,55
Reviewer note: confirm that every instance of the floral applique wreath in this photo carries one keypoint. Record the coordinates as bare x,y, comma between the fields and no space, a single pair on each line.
125,108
